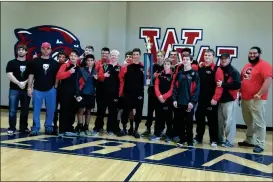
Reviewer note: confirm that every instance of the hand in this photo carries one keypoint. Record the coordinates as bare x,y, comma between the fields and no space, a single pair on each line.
35,55
72,70
175,104
155,74
257,97
106,75
22,85
190,106
160,98
219,83
29,92
213,102
96,77
78,99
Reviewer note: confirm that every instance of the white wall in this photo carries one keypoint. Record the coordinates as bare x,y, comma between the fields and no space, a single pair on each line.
116,24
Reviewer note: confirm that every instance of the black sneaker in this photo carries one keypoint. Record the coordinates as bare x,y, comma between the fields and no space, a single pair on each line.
146,133
245,144
122,133
24,130
131,131
258,149
136,134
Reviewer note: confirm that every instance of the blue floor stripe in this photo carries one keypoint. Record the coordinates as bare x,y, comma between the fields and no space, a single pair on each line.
133,172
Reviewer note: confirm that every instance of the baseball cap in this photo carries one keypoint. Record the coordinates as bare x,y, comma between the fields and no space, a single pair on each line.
225,55
46,45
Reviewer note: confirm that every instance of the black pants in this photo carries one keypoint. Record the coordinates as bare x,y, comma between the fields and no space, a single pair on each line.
163,115
109,101
176,121
132,101
67,112
152,102
211,114
16,96
185,124
57,112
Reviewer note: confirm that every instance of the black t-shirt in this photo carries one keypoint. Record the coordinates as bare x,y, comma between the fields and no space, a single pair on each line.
19,70
44,71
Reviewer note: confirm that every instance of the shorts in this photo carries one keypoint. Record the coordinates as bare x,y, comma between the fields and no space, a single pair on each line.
88,102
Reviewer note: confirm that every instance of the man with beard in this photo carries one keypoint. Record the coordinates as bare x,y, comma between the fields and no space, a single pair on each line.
110,92
17,74
152,99
62,58
228,84
100,64
132,89
256,79
205,109
43,72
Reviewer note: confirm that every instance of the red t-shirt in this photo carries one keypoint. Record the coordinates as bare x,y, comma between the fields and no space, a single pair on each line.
253,77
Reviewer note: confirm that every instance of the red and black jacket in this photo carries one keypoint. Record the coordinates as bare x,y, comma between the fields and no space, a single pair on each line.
67,78
111,84
231,83
207,83
186,87
164,85
131,79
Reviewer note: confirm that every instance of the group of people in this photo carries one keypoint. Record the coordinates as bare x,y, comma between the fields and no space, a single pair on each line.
179,93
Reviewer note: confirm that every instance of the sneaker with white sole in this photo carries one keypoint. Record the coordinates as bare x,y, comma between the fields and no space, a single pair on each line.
213,144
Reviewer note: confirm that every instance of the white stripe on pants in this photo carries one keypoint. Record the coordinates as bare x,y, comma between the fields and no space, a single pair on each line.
226,121
254,117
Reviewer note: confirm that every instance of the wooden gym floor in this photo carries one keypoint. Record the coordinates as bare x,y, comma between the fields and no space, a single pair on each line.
104,158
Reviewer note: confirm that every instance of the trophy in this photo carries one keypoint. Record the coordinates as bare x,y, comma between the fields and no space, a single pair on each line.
148,56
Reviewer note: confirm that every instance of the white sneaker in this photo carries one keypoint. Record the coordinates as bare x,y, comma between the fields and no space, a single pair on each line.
213,144
179,145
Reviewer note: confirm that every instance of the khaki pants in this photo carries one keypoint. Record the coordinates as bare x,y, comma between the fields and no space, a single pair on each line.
254,117
226,122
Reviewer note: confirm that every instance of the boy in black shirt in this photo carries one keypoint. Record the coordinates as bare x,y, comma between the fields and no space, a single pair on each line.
132,89
62,58
67,74
110,84
43,72
17,74
163,90
185,97
152,100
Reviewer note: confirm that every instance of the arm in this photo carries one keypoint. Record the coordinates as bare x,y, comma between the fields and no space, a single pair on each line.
267,75
77,93
195,89
100,74
169,93
12,78
157,91
30,81
218,90
121,79
267,83
62,74
236,81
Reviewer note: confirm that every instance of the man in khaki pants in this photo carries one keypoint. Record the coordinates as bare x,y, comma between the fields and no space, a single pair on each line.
256,79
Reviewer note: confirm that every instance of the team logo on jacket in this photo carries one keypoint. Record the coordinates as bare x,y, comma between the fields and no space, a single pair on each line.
247,74
58,37
22,70
45,67
208,72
